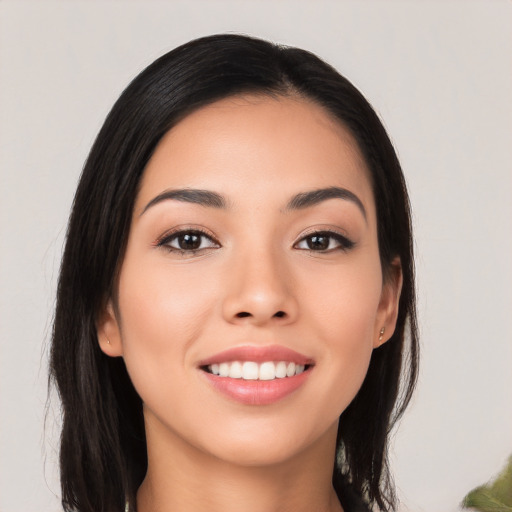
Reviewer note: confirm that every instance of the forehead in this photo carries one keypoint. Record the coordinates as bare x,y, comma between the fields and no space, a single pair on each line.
256,147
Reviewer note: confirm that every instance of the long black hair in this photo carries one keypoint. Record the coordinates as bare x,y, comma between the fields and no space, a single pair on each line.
103,450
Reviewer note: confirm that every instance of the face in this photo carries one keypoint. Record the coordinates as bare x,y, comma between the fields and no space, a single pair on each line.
251,294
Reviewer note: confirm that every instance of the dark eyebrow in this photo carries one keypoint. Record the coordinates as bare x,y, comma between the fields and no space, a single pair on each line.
298,202
188,195
313,197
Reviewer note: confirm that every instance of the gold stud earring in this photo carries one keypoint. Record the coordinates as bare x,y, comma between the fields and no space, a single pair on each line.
381,333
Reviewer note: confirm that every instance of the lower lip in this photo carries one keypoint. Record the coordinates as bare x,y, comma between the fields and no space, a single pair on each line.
257,392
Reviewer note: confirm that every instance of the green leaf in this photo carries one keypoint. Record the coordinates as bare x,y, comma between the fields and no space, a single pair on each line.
495,496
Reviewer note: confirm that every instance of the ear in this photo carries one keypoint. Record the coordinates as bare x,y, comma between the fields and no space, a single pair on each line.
109,332
387,312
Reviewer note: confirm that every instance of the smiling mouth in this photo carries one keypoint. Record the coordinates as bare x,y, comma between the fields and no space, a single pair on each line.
254,371
257,375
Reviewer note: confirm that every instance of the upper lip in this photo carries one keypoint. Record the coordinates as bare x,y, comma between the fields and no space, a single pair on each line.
258,354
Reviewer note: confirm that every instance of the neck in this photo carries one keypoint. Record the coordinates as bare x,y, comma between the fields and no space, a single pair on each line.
182,478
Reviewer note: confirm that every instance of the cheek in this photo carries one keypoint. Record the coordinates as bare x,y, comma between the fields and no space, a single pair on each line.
162,311
160,303
344,304
342,313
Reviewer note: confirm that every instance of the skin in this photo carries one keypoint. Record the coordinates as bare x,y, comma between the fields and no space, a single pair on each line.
176,308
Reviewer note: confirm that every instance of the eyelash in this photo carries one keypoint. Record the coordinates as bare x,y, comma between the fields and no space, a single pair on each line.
344,244
169,237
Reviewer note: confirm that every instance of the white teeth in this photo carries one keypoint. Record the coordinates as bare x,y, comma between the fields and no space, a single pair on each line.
267,371
250,370
235,371
281,370
223,369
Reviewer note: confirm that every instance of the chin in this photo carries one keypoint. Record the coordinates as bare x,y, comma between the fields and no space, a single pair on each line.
271,444
258,454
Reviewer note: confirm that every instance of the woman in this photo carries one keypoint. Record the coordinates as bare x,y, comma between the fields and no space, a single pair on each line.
235,292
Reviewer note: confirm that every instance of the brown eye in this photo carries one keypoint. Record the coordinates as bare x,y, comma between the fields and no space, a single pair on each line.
325,241
318,242
188,241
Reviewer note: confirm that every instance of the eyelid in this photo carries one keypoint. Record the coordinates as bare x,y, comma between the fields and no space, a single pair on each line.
164,239
345,243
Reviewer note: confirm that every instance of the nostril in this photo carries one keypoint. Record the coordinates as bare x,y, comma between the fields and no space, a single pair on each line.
244,314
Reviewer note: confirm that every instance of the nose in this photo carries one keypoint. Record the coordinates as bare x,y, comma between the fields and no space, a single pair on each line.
259,291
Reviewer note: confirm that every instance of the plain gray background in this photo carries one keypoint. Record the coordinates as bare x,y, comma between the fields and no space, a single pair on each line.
439,74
